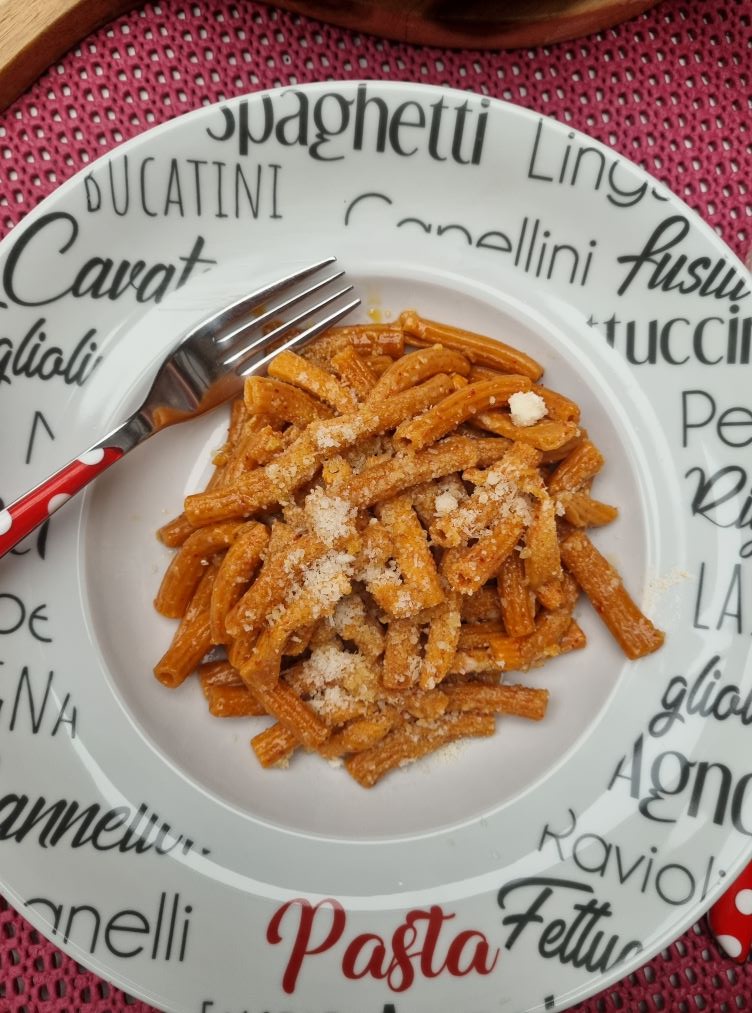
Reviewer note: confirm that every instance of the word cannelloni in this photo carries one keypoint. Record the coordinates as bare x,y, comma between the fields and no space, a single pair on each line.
397,521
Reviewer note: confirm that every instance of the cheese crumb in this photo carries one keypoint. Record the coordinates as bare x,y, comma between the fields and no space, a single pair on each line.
327,578
293,558
445,503
330,516
527,408
337,433
276,614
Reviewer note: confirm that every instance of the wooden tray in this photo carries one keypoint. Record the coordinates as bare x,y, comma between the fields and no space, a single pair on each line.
36,33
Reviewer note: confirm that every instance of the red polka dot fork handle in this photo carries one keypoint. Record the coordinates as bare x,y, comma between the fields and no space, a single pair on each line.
27,513
730,918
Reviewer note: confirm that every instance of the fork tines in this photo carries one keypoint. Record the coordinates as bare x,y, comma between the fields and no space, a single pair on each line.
239,351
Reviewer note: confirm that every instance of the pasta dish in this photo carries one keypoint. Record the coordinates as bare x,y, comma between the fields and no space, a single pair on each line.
396,523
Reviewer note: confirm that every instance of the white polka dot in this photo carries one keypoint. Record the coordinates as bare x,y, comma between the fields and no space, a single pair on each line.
92,456
731,945
57,501
6,521
743,902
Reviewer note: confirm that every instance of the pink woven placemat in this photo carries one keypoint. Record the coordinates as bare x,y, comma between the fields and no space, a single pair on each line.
670,90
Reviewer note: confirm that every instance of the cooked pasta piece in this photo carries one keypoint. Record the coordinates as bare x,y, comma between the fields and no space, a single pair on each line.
550,434
522,701
517,602
416,367
235,573
582,511
296,370
584,462
355,372
188,566
413,740
193,637
283,402
542,560
401,656
441,642
601,582
463,404
275,745
468,569
475,347
420,588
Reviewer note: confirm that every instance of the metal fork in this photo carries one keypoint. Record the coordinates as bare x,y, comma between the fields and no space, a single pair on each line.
205,368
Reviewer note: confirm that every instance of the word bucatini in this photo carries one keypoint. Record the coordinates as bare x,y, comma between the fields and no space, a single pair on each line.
386,534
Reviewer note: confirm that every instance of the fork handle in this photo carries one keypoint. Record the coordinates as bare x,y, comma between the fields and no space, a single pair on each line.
27,513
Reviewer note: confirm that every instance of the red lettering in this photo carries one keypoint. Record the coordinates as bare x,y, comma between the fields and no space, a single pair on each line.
479,959
413,949
300,948
401,973
374,964
436,919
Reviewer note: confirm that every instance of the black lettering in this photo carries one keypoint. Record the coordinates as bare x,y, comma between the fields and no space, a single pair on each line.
737,805
143,187
400,119
16,613
664,238
96,920
361,105
121,211
25,243
634,776
174,195
244,133
298,120
699,347
726,780
119,923
253,199
229,124
93,193
531,173
713,491
557,837
709,414
24,687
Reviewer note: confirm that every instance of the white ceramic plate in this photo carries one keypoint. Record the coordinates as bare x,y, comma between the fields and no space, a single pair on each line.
518,873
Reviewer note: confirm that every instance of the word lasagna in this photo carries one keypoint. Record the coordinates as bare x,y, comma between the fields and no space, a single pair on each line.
397,520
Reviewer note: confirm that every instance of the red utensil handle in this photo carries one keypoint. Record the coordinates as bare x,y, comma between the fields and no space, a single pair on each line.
730,918
20,518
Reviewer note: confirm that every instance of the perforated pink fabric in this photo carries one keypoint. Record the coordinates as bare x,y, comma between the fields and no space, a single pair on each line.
670,89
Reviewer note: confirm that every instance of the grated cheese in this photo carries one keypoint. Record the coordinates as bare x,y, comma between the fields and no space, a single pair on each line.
338,433
327,664
293,558
527,408
380,576
330,517
445,503
324,577
275,615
